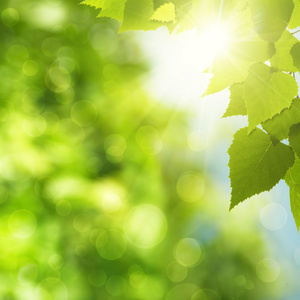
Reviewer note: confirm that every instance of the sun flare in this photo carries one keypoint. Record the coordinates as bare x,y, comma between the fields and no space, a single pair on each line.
216,39
180,59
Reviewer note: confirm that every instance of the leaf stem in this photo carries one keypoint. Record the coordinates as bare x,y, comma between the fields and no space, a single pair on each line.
295,32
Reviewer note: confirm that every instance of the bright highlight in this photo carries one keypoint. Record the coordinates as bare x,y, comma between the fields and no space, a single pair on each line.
180,60
216,39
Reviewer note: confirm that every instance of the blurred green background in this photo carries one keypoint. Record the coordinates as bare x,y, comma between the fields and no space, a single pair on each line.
100,195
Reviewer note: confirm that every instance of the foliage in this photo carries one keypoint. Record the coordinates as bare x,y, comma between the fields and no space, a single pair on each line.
259,69
96,200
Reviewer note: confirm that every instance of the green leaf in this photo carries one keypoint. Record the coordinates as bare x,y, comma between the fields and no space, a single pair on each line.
93,3
295,204
226,72
267,93
292,179
137,15
295,19
252,49
279,126
165,13
237,103
294,138
245,43
295,52
113,9
256,165
270,18
109,8
283,59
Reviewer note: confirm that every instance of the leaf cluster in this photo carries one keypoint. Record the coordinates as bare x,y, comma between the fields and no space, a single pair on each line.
260,70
